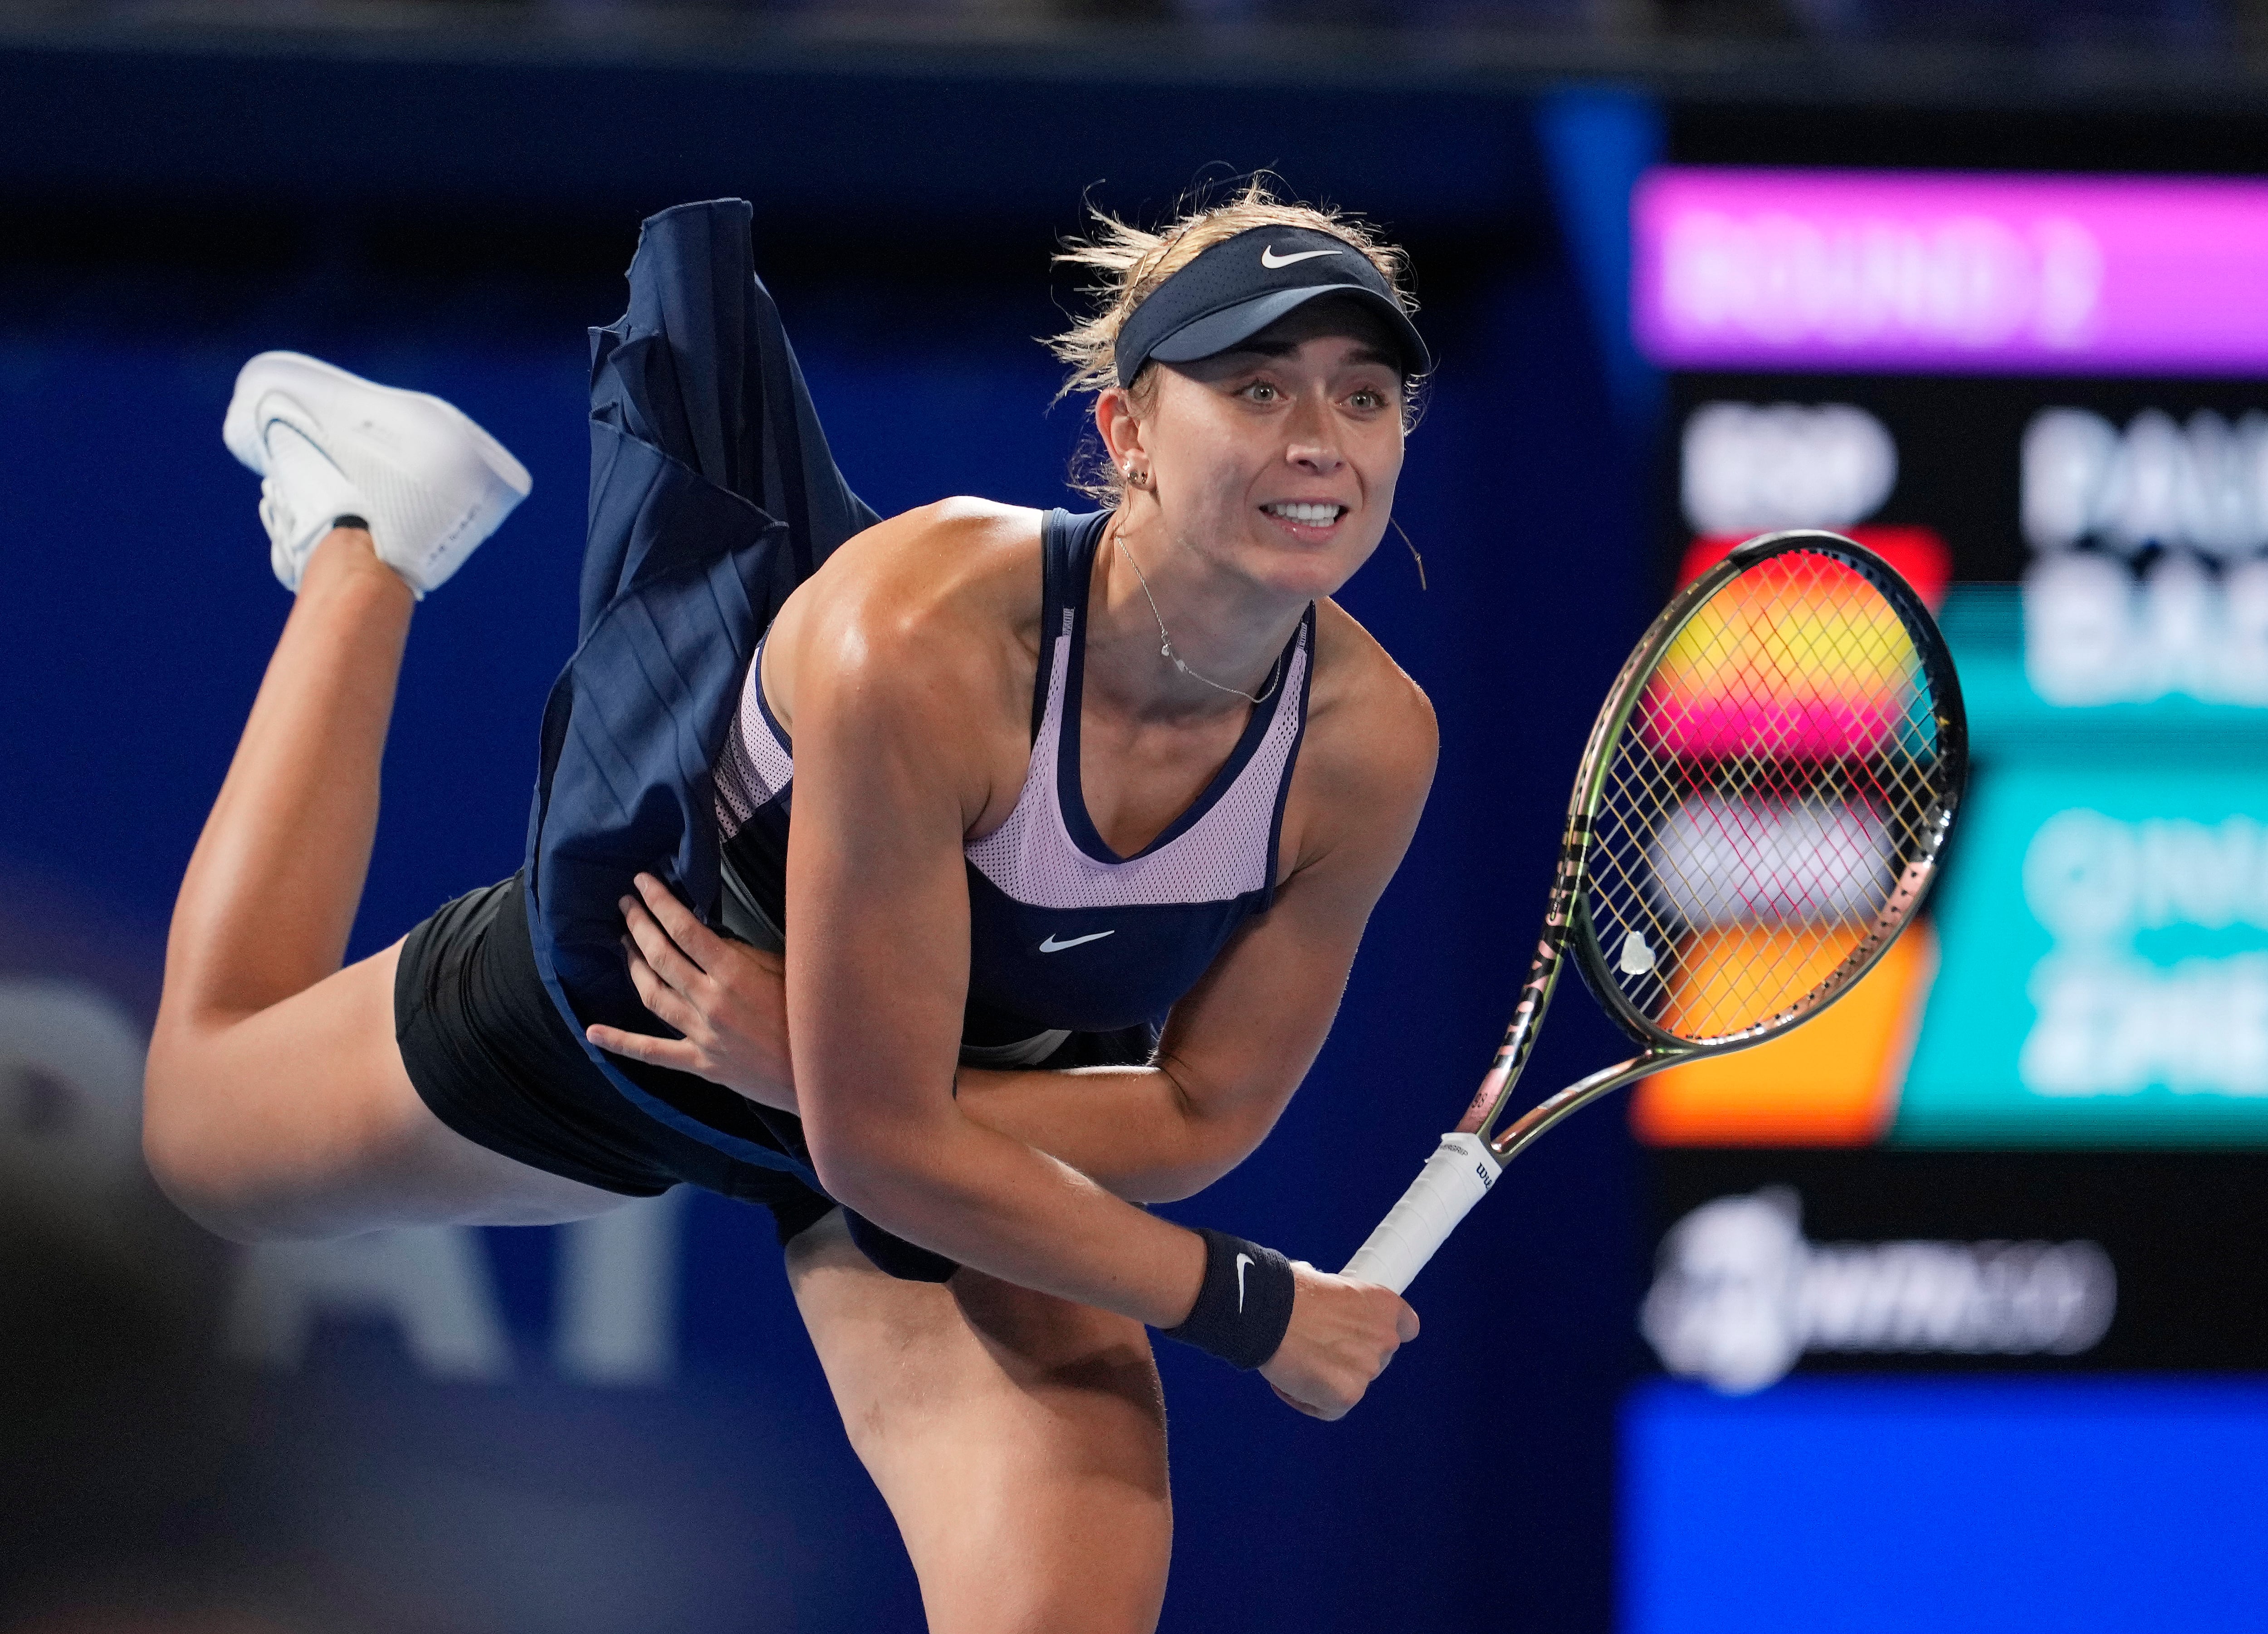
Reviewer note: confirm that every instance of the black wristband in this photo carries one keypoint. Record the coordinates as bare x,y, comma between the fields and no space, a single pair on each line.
1244,1304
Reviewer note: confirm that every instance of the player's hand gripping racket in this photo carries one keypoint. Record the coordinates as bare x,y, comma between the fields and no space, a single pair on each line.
1761,806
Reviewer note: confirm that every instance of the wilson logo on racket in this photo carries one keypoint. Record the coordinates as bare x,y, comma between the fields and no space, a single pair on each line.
1759,811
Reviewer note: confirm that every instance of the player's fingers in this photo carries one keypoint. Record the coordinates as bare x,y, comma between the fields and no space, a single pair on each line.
665,1001
660,1052
701,944
669,959
1405,1322
651,990
1295,1403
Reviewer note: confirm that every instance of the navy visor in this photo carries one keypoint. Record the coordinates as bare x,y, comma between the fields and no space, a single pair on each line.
1239,286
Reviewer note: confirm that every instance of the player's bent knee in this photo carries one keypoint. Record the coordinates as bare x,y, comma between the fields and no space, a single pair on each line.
187,1155
198,1175
210,1170
243,1155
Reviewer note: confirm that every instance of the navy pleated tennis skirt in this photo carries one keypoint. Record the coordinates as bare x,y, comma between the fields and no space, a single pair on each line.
713,496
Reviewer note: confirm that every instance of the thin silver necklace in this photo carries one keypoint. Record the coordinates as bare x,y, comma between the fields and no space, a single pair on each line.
1166,641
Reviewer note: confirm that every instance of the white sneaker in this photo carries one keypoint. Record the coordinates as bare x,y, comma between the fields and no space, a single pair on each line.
430,483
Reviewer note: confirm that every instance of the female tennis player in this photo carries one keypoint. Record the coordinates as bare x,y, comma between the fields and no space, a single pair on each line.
1088,813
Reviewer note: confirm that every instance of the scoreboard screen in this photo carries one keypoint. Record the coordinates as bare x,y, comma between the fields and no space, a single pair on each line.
2034,1141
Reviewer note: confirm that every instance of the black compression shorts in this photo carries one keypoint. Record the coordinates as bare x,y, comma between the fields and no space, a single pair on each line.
490,1055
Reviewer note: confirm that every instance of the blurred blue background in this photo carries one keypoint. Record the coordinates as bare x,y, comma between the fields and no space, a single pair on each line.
1947,1504
618,1427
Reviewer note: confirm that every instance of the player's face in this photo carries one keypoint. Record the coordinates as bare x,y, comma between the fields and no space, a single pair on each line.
1278,460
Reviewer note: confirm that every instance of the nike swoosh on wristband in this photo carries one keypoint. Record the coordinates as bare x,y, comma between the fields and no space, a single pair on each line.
1053,947
1243,1260
1270,259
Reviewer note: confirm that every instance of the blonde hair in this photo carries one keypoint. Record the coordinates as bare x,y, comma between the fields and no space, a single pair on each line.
1131,262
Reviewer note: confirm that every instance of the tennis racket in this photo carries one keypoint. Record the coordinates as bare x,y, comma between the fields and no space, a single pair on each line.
1762,803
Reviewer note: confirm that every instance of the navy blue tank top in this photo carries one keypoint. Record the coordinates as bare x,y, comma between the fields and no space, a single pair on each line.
1066,937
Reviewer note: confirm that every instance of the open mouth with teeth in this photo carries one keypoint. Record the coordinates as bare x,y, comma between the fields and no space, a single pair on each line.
1306,513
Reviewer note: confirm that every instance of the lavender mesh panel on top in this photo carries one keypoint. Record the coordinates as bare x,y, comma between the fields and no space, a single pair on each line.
1773,789
754,766
1225,853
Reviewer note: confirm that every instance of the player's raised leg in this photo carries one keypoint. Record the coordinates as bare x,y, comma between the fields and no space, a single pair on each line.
1020,1440
277,1103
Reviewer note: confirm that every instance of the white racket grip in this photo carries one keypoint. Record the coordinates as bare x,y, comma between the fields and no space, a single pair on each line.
1455,1177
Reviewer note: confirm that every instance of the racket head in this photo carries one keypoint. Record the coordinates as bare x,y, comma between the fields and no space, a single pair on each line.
1767,794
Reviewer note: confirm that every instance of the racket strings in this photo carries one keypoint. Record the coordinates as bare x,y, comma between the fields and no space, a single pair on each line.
1778,775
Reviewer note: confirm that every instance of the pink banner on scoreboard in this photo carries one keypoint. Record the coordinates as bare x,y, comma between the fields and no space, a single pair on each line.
1907,271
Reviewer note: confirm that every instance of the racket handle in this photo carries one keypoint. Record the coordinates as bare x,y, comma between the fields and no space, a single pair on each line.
1455,1177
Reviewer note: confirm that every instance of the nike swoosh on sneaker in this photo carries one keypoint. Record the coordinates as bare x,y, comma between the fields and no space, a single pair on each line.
1270,259
1053,947
1244,1260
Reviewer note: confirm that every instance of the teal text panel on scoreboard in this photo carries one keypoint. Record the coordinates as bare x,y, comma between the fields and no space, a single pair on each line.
2105,975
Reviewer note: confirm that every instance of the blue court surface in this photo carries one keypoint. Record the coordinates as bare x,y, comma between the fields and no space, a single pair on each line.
1999,1505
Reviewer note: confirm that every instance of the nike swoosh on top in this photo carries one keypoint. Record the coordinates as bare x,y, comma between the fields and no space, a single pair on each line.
1270,259
1053,947
1243,1260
